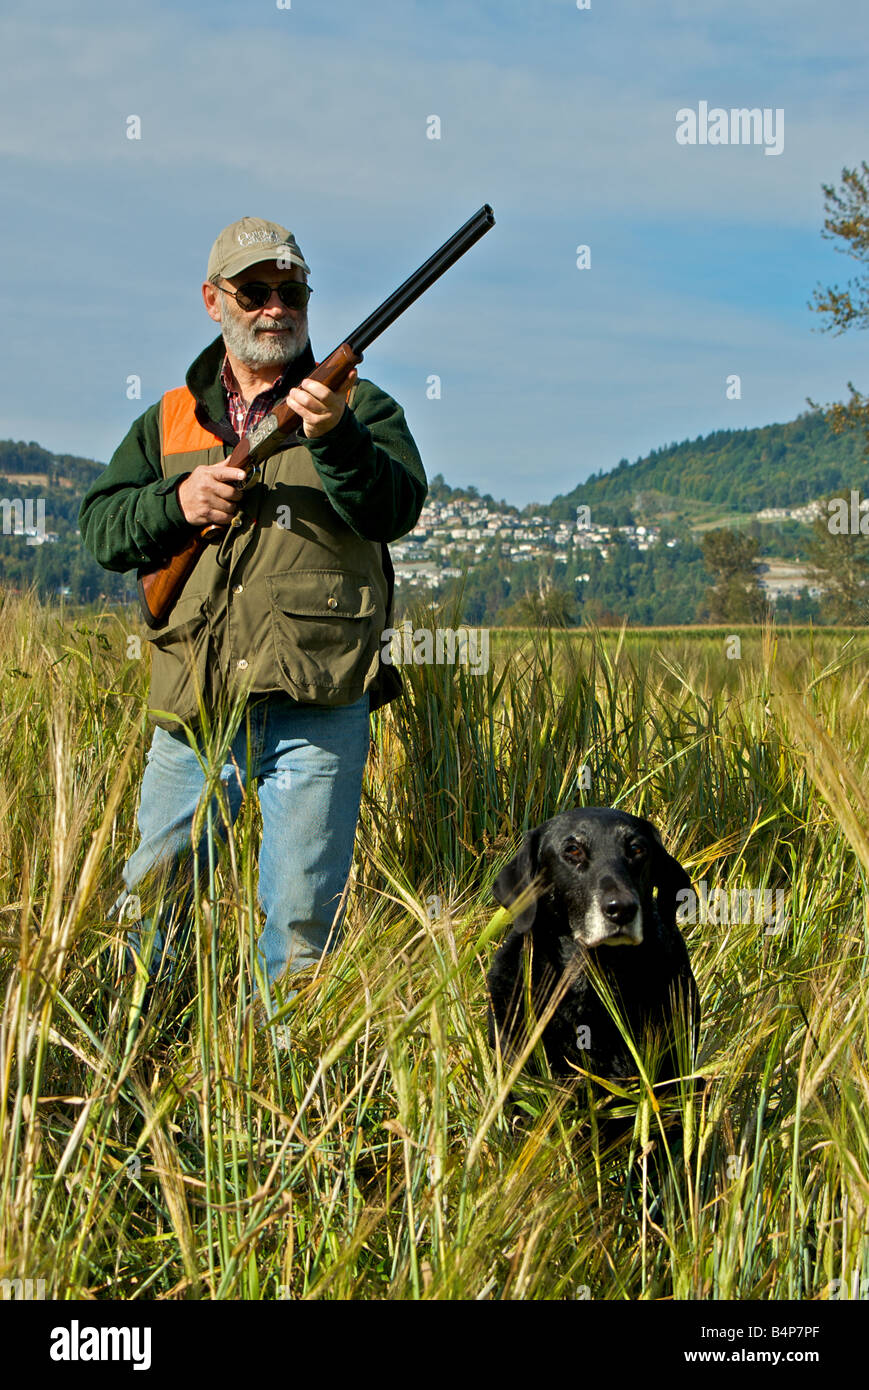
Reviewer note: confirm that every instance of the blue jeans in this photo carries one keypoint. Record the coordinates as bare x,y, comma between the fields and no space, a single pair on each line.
309,762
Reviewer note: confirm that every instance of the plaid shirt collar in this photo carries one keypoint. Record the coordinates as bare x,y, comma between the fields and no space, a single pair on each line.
243,417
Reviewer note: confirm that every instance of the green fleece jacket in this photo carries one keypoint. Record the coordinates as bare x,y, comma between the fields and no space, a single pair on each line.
368,464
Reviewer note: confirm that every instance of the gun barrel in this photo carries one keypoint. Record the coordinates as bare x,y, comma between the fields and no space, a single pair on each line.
418,283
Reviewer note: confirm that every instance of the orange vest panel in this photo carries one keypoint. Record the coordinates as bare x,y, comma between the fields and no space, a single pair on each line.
182,432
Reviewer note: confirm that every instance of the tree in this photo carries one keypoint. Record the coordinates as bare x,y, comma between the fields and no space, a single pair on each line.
847,222
840,563
731,558
551,606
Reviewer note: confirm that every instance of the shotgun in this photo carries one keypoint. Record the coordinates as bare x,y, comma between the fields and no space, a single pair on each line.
161,584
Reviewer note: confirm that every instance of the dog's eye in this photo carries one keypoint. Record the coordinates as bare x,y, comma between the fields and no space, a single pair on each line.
635,849
575,853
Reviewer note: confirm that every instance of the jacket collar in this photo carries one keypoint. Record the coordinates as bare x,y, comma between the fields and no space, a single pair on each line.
206,388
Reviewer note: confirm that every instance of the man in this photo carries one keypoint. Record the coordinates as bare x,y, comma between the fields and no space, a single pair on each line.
287,610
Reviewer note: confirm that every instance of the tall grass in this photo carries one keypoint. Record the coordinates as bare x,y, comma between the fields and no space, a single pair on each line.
365,1146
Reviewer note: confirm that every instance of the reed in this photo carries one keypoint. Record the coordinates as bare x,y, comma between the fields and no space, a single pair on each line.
364,1146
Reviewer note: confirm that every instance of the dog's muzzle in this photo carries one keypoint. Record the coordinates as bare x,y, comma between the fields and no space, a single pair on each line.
615,922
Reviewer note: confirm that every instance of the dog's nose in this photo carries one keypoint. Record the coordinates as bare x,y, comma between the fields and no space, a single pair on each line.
619,909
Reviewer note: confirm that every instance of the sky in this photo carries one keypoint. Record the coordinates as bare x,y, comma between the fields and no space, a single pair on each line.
317,114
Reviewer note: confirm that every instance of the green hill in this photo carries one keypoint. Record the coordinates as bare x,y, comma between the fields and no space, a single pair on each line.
56,484
717,479
739,471
18,459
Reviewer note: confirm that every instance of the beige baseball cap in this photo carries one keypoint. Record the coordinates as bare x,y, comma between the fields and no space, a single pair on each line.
248,241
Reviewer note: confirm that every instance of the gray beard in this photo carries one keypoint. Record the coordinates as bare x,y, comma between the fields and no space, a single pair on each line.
257,349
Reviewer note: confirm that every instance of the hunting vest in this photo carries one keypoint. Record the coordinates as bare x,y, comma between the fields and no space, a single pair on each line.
289,600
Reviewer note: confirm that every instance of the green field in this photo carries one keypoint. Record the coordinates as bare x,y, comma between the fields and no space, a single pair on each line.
187,1153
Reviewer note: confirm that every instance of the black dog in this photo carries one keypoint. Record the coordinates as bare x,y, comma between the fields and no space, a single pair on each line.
582,884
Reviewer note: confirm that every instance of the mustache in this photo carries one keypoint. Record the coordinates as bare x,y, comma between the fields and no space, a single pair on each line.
284,325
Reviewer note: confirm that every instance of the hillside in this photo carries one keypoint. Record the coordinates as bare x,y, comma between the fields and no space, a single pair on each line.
742,471
41,494
638,559
30,461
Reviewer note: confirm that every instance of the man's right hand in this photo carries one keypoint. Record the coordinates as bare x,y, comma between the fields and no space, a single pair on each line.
210,494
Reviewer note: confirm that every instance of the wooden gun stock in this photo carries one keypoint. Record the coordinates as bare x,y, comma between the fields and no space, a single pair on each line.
160,585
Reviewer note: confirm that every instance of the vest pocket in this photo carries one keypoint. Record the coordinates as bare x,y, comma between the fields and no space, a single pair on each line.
326,627
179,661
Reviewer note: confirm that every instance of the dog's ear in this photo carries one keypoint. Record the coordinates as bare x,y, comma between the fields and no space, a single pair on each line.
668,875
515,880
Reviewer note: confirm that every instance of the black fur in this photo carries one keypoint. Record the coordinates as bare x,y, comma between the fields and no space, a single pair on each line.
592,874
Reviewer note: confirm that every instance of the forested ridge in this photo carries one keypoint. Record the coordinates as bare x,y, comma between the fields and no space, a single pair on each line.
744,470
700,481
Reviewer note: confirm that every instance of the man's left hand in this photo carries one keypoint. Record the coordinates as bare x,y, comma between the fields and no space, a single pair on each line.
319,408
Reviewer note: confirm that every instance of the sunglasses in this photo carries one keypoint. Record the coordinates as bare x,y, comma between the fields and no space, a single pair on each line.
255,294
